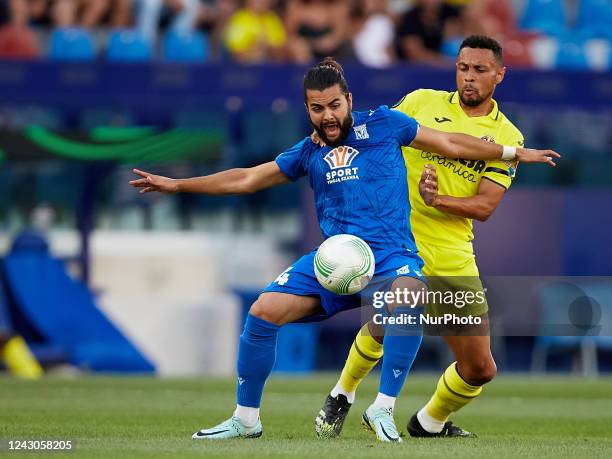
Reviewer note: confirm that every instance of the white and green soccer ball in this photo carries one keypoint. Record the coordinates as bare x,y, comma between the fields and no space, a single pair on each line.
344,264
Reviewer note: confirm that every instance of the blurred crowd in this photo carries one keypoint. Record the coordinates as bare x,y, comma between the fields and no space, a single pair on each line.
377,33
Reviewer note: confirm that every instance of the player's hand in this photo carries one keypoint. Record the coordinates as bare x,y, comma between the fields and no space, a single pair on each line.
316,139
428,186
529,155
150,182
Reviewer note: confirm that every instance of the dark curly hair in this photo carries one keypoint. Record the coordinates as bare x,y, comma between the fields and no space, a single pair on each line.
483,42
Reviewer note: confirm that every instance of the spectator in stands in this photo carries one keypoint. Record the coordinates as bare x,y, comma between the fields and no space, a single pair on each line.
476,21
148,13
16,39
117,13
492,18
213,17
373,41
255,33
68,13
423,29
208,10
318,28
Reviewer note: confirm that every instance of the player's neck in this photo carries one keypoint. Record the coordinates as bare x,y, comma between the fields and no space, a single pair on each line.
479,110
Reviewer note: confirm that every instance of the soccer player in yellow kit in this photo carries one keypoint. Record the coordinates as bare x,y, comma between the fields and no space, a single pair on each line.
445,196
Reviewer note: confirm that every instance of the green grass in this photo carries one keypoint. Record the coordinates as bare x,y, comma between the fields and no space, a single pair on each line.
147,417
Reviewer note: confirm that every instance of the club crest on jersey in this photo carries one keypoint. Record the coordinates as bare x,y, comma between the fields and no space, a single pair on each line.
488,138
339,161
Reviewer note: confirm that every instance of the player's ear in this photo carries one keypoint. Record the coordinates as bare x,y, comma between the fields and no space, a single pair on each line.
349,99
501,73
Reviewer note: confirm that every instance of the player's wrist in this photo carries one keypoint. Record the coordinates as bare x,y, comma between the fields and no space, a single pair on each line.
509,153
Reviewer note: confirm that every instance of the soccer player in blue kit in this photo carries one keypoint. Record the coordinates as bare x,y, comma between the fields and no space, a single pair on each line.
360,188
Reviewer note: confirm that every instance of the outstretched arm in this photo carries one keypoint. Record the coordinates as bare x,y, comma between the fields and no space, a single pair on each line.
479,207
232,181
456,145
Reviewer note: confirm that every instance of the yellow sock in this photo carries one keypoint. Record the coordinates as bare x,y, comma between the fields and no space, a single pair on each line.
363,356
452,394
19,360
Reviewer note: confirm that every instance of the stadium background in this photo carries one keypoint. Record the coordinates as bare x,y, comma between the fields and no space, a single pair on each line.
168,278
173,273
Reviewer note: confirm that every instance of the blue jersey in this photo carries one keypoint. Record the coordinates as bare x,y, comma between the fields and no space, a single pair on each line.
361,187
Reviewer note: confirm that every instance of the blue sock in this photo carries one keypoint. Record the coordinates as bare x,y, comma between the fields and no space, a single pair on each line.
400,346
256,357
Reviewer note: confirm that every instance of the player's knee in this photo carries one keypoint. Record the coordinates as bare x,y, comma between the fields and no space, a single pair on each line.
480,372
258,309
263,310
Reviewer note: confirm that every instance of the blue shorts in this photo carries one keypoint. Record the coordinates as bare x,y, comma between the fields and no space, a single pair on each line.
299,279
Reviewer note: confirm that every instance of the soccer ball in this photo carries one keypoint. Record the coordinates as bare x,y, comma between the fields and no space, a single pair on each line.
344,264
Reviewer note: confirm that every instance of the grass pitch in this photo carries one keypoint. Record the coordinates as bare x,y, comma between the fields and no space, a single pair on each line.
147,417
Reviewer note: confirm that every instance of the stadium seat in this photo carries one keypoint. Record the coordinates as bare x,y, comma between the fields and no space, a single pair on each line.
72,44
185,47
577,318
17,42
546,16
128,45
543,51
598,54
571,56
594,19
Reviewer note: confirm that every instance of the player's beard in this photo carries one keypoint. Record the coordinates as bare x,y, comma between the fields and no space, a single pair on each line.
345,129
474,101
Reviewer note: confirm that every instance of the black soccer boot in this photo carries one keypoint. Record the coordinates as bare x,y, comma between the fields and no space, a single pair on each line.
329,421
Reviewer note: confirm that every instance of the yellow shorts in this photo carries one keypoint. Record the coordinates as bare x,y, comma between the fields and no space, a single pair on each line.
452,271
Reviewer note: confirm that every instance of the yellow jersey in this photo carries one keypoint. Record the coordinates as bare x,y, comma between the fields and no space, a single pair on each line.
245,29
456,177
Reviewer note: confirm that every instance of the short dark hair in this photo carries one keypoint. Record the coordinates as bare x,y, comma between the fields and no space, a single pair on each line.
325,74
483,42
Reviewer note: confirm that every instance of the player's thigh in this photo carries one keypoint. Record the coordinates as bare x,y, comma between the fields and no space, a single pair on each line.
297,294
282,308
455,274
